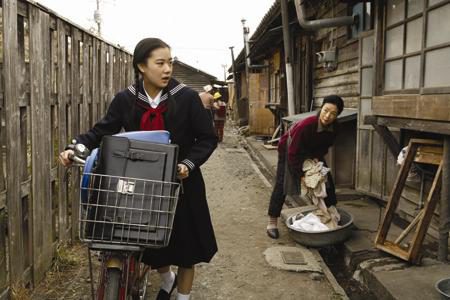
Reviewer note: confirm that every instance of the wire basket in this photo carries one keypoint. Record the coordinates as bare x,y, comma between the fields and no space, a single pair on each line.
128,211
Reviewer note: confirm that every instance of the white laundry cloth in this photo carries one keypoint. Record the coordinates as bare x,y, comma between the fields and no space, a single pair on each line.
313,187
413,175
315,177
309,223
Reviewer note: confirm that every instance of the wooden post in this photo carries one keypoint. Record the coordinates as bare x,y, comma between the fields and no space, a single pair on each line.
444,216
75,127
109,76
14,203
40,117
101,85
62,136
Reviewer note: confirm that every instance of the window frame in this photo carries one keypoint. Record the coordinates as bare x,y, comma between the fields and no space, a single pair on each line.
421,53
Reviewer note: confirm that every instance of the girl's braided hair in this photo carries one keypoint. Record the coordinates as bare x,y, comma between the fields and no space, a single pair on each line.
142,52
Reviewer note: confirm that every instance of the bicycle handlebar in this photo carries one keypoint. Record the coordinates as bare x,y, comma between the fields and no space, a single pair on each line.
77,159
80,153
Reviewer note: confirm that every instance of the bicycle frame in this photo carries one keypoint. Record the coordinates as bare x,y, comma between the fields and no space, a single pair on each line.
120,217
124,260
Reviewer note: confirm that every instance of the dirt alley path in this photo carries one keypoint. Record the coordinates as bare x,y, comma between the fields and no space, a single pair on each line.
238,200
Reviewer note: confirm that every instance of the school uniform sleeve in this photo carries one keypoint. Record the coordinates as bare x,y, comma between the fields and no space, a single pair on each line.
204,135
110,124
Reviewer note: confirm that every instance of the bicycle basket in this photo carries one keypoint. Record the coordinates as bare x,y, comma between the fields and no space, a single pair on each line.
130,211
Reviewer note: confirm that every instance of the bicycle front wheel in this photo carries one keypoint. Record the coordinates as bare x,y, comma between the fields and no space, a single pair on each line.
112,284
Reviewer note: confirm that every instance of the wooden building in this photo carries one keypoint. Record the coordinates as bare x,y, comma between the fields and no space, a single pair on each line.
391,68
192,77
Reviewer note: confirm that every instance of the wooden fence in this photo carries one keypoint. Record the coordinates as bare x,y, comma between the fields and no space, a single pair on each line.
57,80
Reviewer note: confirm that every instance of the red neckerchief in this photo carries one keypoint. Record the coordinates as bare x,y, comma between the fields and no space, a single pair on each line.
153,119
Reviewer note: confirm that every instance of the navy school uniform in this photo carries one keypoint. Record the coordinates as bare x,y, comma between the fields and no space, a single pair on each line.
193,240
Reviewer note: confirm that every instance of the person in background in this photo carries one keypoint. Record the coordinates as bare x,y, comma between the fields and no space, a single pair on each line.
308,138
220,115
156,101
208,100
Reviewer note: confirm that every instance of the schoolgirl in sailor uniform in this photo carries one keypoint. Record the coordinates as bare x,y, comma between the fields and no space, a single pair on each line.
157,102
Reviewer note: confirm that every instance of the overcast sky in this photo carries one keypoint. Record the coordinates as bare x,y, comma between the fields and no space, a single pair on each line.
199,31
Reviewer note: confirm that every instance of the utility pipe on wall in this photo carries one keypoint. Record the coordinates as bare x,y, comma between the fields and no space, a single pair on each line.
287,57
319,24
322,23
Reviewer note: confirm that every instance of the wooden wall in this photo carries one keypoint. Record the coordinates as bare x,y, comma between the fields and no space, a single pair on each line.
261,120
57,81
344,80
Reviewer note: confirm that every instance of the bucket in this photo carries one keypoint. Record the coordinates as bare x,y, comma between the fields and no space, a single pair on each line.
322,238
443,288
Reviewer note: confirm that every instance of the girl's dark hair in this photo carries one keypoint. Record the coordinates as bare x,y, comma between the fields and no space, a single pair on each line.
142,52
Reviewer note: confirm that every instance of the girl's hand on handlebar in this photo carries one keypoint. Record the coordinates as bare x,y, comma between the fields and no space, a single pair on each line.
183,171
65,158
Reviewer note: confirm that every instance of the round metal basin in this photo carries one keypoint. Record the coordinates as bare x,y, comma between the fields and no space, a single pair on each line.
443,287
322,238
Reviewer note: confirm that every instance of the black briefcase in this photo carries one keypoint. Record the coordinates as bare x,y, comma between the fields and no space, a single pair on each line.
133,199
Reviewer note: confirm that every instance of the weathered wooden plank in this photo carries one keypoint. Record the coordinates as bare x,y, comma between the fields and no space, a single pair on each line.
23,75
62,125
344,68
429,155
22,9
117,83
349,51
395,195
386,134
84,114
429,208
95,86
41,208
347,78
351,90
102,80
444,222
259,116
110,75
3,258
390,247
377,167
10,76
378,59
428,107
364,153
75,129
414,124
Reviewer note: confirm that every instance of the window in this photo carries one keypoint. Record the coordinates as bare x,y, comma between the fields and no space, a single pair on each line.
364,12
417,45
274,91
366,76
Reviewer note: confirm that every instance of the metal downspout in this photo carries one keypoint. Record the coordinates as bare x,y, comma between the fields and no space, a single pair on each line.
287,57
322,23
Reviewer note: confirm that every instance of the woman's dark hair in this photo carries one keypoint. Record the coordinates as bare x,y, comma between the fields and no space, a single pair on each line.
336,100
142,52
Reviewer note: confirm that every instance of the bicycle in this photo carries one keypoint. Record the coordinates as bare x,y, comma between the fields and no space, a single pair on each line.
121,216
